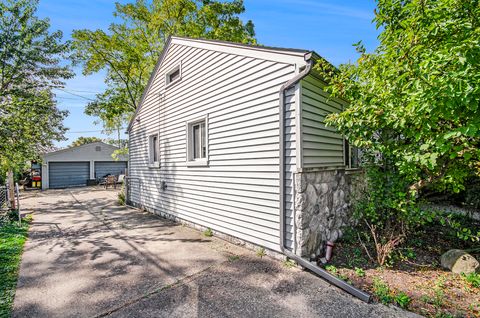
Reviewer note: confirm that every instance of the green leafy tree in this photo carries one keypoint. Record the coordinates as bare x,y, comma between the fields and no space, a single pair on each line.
30,57
130,48
413,109
30,54
416,98
84,140
28,125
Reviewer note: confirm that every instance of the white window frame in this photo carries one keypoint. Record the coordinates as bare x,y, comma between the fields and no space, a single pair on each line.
151,162
169,83
195,162
351,149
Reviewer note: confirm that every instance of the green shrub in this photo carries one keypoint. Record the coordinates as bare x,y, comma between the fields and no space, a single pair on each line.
470,196
208,232
382,291
331,268
417,126
473,279
464,227
121,198
387,212
402,300
386,295
360,272
8,217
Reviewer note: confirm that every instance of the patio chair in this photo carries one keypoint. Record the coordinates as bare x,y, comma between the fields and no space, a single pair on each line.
121,178
111,180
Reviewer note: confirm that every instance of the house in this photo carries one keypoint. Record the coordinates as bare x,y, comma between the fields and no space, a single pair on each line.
74,166
232,137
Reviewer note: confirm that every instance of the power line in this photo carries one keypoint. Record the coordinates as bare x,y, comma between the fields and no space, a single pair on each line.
81,91
91,131
87,98
70,98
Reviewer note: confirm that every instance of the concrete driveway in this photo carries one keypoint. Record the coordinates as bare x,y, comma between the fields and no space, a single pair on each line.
88,257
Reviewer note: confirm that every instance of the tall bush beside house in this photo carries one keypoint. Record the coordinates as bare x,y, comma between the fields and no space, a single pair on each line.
413,109
385,212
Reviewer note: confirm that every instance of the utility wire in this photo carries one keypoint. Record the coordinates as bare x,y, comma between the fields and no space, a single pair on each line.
90,131
80,91
69,98
87,98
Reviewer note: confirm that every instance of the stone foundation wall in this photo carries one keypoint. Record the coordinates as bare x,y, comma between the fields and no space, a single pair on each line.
322,208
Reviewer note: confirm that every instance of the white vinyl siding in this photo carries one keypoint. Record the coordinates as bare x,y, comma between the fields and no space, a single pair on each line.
238,192
322,146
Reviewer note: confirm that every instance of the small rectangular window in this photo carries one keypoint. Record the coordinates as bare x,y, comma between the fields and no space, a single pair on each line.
346,156
351,155
355,157
174,75
199,147
153,146
197,142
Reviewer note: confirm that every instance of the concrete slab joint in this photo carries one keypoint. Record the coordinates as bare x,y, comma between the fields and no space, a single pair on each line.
322,208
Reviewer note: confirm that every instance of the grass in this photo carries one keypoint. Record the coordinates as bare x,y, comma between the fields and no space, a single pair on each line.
12,239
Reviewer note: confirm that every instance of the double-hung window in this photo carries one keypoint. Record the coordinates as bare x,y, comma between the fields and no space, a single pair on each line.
197,142
153,151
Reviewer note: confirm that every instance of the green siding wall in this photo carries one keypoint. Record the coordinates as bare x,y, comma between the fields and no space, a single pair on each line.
322,146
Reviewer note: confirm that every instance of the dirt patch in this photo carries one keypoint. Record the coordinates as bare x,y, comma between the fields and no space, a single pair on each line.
413,278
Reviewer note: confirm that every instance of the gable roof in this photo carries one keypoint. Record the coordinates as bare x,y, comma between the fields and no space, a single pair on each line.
78,147
284,55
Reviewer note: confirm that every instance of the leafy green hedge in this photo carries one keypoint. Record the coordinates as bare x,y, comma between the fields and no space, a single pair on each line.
12,239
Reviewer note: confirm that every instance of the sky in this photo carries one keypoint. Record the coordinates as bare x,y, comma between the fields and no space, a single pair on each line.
327,27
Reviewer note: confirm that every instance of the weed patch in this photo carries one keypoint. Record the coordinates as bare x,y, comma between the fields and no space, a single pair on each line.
261,252
233,258
289,263
208,232
472,279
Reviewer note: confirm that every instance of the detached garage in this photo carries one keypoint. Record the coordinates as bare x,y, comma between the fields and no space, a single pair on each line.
73,167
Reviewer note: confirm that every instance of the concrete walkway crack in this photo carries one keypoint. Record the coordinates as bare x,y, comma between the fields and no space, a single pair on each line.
179,282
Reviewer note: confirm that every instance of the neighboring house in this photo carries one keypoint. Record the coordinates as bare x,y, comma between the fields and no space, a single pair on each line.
232,137
72,167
